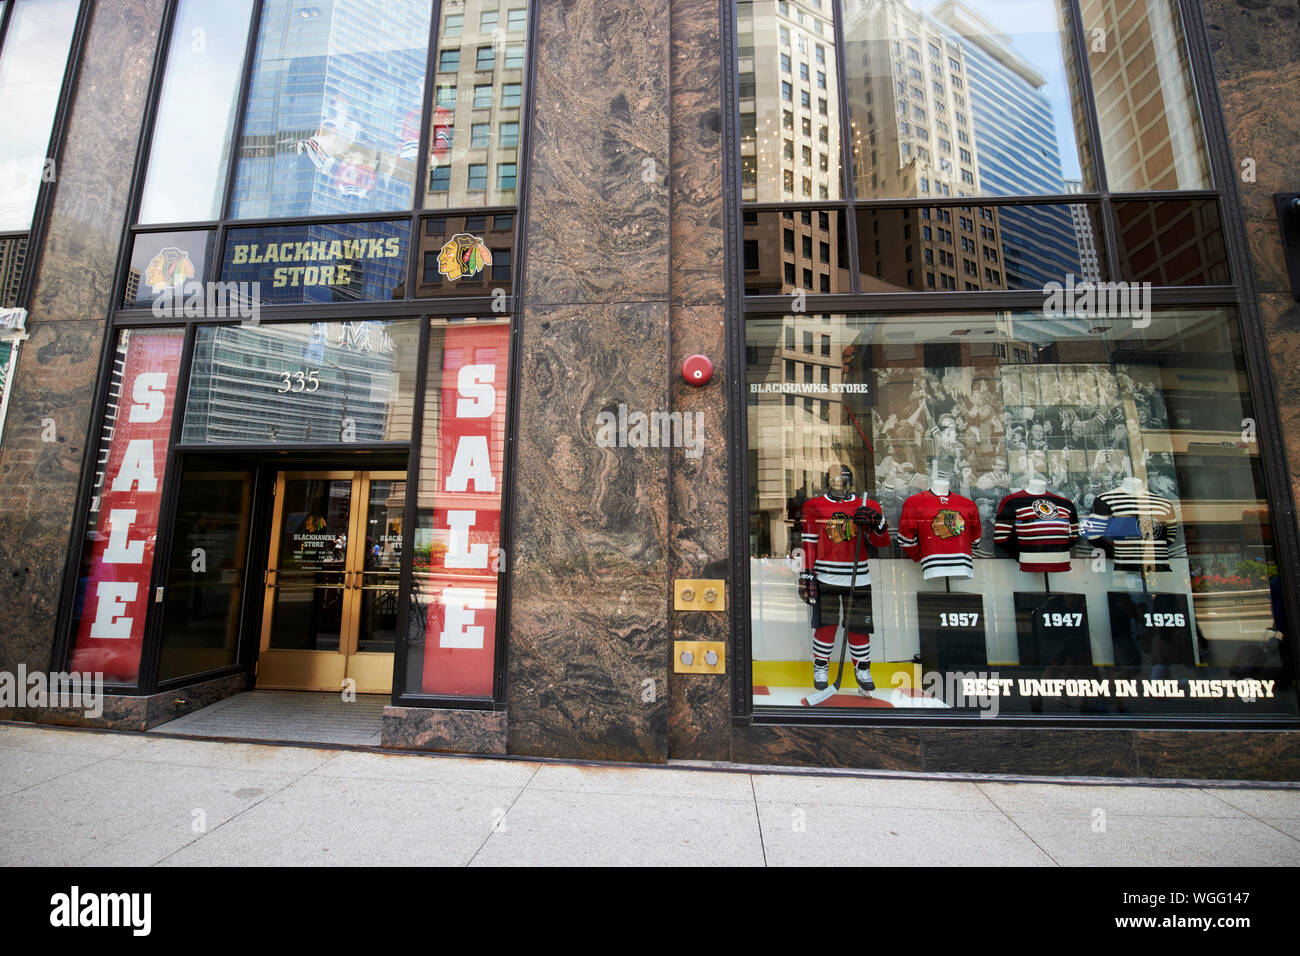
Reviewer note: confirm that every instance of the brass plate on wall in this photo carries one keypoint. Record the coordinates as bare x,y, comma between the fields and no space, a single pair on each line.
693,657
699,595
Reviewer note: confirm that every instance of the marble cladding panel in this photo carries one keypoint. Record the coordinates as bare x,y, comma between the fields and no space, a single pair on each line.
1281,318
448,731
589,633
869,748
598,189
40,468
72,284
122,712
1100,753
699,721
74,272
698,238
1255,45
168,705
1211,755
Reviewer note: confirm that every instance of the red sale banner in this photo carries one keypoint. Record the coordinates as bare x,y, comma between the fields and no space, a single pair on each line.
460,634
115,578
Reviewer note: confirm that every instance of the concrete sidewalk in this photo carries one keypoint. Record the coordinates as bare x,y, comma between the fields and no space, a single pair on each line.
84,798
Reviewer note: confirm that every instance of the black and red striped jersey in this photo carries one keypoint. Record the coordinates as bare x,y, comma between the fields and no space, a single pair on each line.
940,531
1039,530
829,536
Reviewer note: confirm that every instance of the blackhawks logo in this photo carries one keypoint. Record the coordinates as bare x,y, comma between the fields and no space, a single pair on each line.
463,255
314,523
169,269
948,524
840,528
1045,509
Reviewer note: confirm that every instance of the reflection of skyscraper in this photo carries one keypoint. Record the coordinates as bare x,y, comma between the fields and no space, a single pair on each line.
1085,235
913,136
13,253
1018,149
333,109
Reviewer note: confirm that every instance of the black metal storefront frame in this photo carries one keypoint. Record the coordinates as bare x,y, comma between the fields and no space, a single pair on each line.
422,309
1242,295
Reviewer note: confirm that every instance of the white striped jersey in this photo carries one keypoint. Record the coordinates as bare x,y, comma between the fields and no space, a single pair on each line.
829,540
1135,529
940,533
1038,530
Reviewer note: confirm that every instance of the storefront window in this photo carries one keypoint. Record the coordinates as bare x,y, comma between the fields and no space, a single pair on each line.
32,63
451,633
190,152
319,262
122,527
1069,506
320,383
334,109
170,264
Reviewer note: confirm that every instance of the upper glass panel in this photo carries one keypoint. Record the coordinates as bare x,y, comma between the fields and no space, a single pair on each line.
789,101
334,110
478,105
31,74
308,383
190,152
1150,124
963,99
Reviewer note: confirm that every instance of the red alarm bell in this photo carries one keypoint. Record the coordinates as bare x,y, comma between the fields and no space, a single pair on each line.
697,370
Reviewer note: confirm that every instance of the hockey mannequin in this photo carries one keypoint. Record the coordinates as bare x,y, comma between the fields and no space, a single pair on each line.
838,588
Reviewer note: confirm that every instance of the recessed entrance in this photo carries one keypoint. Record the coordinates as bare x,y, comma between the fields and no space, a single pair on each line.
331,584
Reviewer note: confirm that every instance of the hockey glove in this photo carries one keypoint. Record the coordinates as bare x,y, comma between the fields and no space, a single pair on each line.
869,518
808,587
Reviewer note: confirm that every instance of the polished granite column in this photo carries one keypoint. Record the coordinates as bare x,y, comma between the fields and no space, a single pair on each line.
589,626
1256,49
699,717
45,437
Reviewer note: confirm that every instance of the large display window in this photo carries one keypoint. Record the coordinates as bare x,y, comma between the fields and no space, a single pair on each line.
1003,455
1011,513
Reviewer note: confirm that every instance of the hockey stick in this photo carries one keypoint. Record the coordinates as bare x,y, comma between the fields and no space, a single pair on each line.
825,695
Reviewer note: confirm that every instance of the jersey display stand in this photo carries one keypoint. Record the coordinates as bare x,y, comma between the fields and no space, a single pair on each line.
1150,629
952,630
1052,628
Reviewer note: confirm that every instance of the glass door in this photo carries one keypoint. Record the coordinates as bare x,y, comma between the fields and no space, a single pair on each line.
330,608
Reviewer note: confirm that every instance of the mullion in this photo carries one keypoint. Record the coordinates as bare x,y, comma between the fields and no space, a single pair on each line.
850,223
420,187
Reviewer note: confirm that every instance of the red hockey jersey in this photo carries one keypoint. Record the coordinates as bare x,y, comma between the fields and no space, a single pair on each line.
940,532
828,540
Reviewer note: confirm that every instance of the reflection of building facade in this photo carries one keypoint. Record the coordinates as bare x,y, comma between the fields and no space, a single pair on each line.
1085,235
319,135
348,382
1018,152
13,253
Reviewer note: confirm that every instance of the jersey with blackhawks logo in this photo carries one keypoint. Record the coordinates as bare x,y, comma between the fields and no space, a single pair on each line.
829,538
1135,528
1039,530
940,531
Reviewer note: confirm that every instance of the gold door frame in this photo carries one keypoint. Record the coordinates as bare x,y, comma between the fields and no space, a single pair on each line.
293,669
